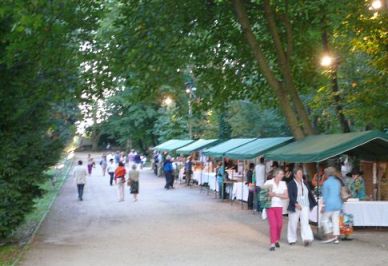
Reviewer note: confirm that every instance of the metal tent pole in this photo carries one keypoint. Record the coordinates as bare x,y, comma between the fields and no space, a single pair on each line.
223,178
242,187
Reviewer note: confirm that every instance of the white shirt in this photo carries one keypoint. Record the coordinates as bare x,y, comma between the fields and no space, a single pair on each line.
260,174
111,167
303,197
80,174
279,189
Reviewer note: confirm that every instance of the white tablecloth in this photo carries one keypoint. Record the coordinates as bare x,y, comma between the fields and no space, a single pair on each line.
368,213
206,177
239,187
365,213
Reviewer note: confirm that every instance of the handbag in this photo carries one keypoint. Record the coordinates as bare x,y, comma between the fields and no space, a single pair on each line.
344,193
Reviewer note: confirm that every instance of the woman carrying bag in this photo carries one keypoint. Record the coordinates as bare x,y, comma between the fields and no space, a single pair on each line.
133,182
278,193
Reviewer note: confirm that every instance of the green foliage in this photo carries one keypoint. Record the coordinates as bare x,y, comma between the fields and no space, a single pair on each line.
249,120
40,80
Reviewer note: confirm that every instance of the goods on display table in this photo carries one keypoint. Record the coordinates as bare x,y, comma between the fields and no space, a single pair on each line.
364,213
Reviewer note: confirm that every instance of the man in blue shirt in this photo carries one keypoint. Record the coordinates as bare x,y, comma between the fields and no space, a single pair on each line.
331,193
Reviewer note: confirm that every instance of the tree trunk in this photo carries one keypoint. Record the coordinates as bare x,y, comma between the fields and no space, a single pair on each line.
286,93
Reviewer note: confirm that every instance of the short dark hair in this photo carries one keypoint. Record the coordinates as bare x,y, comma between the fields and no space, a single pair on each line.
80,162
262,160
110,160
121,164
251,165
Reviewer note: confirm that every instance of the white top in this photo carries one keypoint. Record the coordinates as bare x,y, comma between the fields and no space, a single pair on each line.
280,189
260,174
111,167
80,174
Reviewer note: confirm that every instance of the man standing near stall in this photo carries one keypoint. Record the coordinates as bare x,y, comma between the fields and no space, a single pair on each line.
260,179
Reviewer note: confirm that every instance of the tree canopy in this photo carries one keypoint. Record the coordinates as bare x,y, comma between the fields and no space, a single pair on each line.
146,71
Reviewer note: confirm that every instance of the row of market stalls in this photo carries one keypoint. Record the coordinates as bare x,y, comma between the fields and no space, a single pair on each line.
371,147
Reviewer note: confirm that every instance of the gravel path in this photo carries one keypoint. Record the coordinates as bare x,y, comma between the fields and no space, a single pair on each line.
176,227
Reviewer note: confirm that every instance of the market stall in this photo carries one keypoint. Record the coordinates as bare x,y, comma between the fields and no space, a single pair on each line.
172,145
219,151
203,168
369,145
251,151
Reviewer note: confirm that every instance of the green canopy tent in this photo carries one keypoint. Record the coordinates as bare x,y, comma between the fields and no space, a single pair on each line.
221,149
172,145
257,148
196,146
367,145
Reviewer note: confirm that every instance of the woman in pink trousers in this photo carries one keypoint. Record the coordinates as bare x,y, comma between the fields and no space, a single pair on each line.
278,193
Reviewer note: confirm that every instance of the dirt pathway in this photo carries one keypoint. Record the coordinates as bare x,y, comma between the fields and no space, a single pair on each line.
176,227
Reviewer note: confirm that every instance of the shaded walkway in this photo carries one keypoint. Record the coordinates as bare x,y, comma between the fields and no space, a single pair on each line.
176,227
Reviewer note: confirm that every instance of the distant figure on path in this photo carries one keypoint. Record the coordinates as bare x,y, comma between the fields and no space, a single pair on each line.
91,164
80,174
133,181
103,164
278,193
168,169
111,170
120,180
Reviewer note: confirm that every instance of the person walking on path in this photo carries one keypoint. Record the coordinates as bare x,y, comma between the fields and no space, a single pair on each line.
80,174
91,164
278,193
168,170
331,194
301,202
111,170
133,181
120,179
251,185
103,164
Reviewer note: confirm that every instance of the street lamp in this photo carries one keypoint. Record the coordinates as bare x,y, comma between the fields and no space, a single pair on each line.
168,101
327,60
378,5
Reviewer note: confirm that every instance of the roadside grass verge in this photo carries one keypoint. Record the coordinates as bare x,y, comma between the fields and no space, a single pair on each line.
12,248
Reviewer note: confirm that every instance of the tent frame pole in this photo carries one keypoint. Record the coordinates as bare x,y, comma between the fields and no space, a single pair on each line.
223,178
242,186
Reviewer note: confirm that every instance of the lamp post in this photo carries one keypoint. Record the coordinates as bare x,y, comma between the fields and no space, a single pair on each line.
190,90
331,63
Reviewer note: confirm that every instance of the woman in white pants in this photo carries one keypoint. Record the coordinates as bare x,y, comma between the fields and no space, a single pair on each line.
301,202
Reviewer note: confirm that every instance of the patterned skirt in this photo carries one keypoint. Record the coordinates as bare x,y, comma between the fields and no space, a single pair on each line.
135,187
